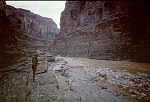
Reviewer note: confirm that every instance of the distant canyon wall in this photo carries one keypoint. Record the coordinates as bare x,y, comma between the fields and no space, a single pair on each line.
32,24
112,30
22,32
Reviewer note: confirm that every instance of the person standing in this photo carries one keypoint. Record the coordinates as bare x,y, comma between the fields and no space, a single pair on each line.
34,65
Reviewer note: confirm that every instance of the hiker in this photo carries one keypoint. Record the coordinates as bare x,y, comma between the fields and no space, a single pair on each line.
34,65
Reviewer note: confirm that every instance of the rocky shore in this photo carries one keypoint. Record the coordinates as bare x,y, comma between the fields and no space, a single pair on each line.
60,81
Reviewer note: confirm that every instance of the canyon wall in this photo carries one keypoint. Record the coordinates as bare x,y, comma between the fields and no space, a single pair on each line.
32,24
22,33
112,30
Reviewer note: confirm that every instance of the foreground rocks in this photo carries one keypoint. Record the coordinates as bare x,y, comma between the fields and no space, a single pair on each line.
78,85
17,84
137,85
60,81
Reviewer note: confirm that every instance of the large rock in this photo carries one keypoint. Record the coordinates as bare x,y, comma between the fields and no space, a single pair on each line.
114,30
50,58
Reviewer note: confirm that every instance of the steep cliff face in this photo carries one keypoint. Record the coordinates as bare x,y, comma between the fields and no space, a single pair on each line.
32,24
114,30
22,32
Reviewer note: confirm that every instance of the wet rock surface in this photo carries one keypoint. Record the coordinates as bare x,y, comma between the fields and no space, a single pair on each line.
137,85
17,84
78,85
59,81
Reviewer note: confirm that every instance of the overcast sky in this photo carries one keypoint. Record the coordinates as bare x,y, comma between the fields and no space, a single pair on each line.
50,9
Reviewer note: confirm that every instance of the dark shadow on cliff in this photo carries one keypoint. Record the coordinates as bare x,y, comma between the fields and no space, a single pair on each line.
9,50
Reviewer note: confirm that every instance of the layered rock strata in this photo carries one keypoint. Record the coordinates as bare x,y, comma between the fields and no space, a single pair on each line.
32,24
113,30
22,32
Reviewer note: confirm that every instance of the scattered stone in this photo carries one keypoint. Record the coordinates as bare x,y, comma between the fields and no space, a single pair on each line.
133,95
50,58
104,87
133,82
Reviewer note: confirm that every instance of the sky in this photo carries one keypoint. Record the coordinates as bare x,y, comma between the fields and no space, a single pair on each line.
50,9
